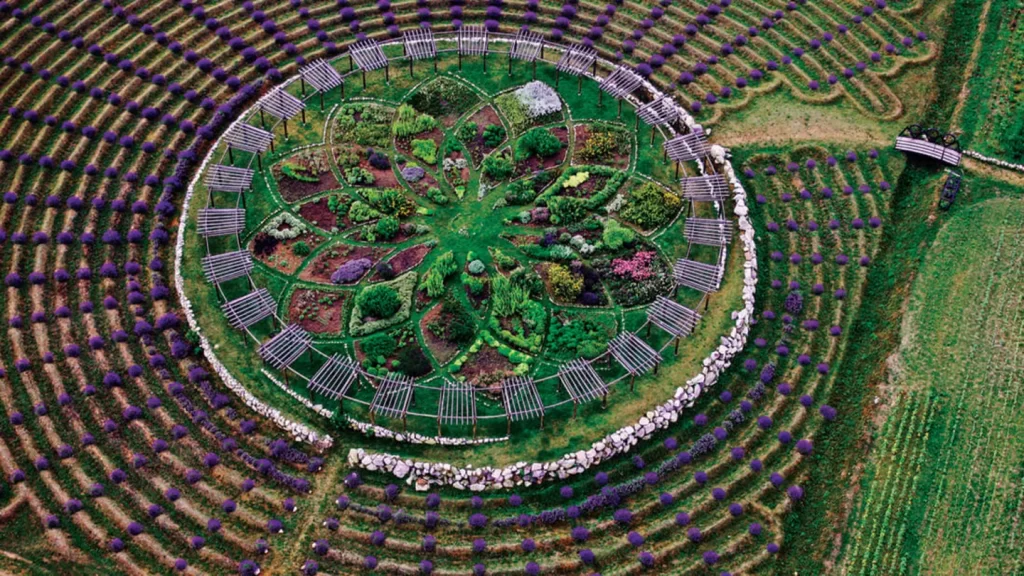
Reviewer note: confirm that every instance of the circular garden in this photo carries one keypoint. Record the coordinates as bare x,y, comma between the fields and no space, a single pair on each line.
466,229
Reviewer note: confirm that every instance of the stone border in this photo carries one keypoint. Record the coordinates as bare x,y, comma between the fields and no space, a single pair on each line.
994,161
425,475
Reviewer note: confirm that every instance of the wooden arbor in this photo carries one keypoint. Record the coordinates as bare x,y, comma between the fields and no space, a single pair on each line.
334,378
248,138
285,347
526,46
576,60
473,42
672,317
634,355
456,405
622,82
419,44
368,55
392,398
583,383
322,77
521,400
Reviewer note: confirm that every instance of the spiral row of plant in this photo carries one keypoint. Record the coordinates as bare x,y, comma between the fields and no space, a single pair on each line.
711,491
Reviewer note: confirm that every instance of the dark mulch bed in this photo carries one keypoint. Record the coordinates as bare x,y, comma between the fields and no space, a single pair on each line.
318,213
408,259
328,320
536,164
284,260
294,190
382,178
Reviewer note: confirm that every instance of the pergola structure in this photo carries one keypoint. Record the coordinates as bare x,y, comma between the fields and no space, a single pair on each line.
526,46
368,55
930,142
419,44
700,276
583,383
707,188
220,268
622,82
521,399
473,42
285,347
686,147
281,105
221,178
322,77
576,60
334,378
249,309
672,317
456,405
393,397
708,231
634,355
248,138
214,222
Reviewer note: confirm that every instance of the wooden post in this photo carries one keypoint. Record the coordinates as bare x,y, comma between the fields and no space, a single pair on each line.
656,366
604,401
579,86
600,96
510,62
632,382
575,406
435,62
542,420
508,426
677,170
460,60
620,108
231,156
302,82
387,73
262,124
439,424
303,115
534,69
286,128
349,61
636,123
410,68
364,78
322,97
677,344
653,133
485,60
649,324
259,162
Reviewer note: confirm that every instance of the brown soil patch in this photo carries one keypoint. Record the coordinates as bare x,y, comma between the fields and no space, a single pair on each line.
423,184
326,263
409,258
483,117
620,161
318,214
486,368
382,178
294,190
318,311
442,350
536,164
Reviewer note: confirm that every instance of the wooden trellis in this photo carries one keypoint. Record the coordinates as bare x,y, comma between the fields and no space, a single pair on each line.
619,84
220,268
322,77
249,309
285,347
248,138
281,105
697,275
708,231
576,60
473,41
658,112
456,405
420,44
526,46
522,400
634,355
672,317
393,397
368,54
686,147
334,378
582,383
709,188
221,178
213,222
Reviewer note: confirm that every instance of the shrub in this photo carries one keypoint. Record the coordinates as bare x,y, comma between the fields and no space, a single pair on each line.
381,344
425,150
475,284
476,267
538,99
509,299
650,206
494,135
413,362
378,160
301,249
404,286
566,209
379,301
351,271
409,123
357,176
497,167
297,172
520,192
565,285
295,228
443,96
387,227
390,201
603,142
537,142
467,132
576,179
461,327
413,173
616,235
436,196
359,211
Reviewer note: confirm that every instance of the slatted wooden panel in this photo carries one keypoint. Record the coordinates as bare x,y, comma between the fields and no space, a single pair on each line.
634,355
581,381
672,317
286,346
708,231
335,377
697,275
521,399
